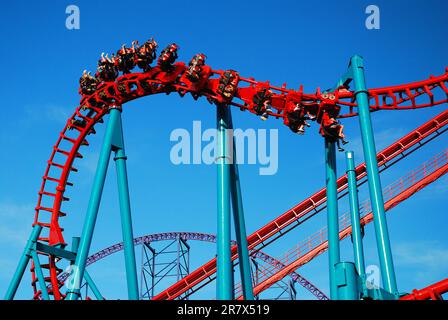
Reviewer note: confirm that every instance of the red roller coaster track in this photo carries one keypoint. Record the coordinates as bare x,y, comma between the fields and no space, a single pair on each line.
128,87
433,292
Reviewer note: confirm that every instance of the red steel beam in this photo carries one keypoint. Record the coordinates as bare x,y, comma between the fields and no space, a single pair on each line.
433,292
308,205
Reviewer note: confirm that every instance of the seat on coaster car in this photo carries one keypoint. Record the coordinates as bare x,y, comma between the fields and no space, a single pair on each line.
260,99
195,67
228,84
167,57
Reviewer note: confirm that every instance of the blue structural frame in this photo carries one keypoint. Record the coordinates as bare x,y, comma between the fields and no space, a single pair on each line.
229,187
113,142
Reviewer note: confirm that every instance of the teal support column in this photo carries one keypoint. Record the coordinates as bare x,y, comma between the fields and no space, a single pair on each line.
93,286
224,283
358,250
376,196
334,256
24,259
240,224
94,205
87,277
40,275
347,281
126,224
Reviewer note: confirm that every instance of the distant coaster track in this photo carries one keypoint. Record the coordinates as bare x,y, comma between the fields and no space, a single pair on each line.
205,237
94,107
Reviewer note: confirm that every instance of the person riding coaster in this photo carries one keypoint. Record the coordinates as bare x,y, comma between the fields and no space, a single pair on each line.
107,70
333,130
167,57
195,67
87,83
297,119
261,103
228,84
146,54
126,59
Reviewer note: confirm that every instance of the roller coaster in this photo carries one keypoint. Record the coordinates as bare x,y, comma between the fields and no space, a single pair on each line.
108,91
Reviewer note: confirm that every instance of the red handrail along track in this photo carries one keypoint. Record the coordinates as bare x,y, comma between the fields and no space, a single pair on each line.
131,86
395,193
433,292
299,213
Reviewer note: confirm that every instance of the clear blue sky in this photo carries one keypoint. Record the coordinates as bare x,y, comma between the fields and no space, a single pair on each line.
304,42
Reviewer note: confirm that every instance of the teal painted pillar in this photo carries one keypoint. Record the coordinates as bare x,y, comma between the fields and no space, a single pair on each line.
376,196
347,281
240,223
94,205
87,277
126,224
358,250
24,259
334,256
93,286
224,283
40,275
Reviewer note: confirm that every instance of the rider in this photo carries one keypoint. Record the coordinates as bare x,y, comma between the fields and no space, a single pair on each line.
228,83
297,119
167,57
262,101
146,54
106,71
126,58
87,83
194,70
332,129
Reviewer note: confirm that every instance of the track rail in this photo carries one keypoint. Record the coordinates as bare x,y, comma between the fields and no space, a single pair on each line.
94,107
395,193
432,292
197,236
312,205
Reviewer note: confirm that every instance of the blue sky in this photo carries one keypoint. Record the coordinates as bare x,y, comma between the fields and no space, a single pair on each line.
295,42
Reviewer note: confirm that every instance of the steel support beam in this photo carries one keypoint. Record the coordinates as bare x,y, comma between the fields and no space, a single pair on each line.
376,196
125,212
240,224
24,259
332,215
224,285
113,141
40,275
358,251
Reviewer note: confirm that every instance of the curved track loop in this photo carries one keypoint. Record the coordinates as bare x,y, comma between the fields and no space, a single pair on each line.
205,237
135,85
